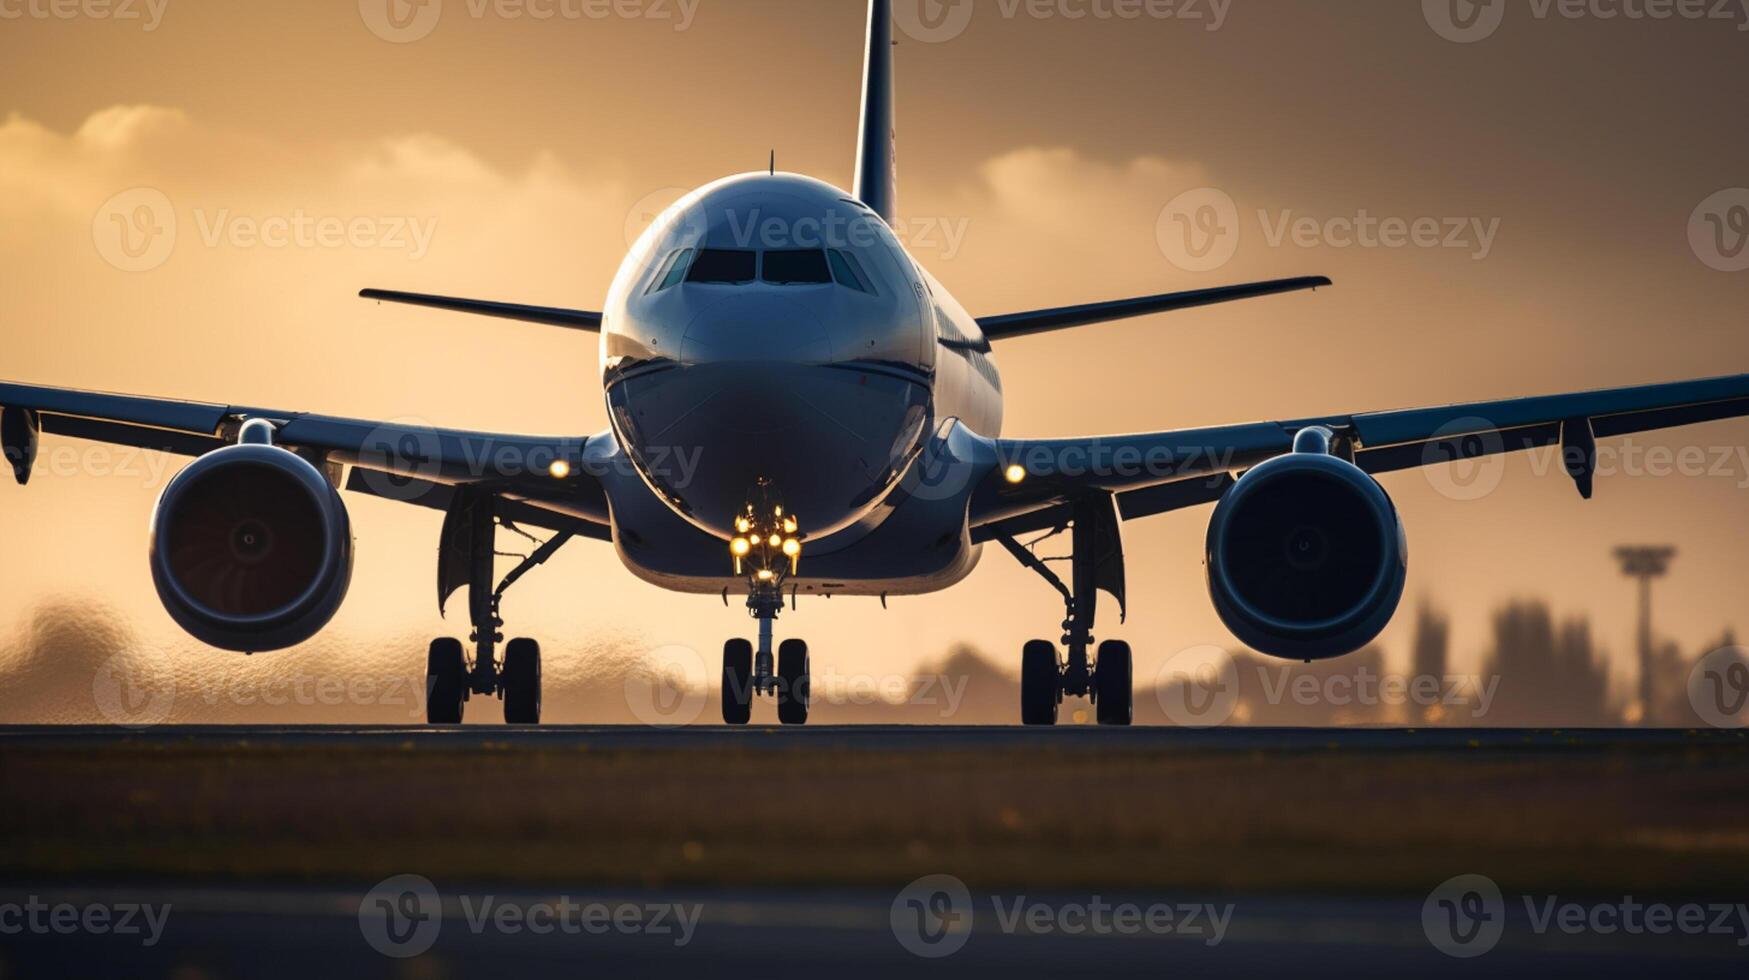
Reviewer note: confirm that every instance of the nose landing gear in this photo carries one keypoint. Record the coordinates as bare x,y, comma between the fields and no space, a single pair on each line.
785,673
767,549
1046,678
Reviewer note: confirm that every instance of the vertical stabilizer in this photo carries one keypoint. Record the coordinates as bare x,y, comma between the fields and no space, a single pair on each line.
876,181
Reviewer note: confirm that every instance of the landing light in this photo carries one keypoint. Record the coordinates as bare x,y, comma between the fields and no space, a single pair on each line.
739,547
792,547
1015,473
765,575
559,470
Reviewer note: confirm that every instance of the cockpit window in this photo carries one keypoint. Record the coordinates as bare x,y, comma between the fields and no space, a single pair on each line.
721,265
672,271
797,267
848,271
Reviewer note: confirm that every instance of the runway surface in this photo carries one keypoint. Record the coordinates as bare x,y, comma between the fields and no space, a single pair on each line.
1320,852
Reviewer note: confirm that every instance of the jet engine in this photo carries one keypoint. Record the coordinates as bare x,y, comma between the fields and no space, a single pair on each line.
251,548
1306,555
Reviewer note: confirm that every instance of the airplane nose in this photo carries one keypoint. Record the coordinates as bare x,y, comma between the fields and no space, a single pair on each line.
758,400
760,327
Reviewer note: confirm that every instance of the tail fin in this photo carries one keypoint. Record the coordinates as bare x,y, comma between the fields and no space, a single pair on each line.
876,180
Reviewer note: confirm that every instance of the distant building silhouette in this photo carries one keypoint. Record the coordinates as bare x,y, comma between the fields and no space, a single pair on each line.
1549,676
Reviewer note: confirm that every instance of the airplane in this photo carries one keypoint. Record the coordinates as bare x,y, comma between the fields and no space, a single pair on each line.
798,408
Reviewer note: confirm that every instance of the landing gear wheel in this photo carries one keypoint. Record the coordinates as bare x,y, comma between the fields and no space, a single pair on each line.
737,682
446,682
521,682
793,683
1113,693
1041,682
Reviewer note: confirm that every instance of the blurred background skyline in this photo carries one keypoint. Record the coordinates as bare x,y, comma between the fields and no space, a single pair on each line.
1575,167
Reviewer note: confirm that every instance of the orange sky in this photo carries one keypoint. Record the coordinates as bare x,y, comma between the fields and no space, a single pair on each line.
506,156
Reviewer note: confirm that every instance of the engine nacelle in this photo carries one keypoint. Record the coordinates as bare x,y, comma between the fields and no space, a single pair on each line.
251,549
1306,557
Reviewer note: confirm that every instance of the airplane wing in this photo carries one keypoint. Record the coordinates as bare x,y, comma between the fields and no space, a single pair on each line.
397,460
1153,473
1062,318
551,316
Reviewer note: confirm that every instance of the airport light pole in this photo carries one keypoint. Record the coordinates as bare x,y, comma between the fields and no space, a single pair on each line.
1645,564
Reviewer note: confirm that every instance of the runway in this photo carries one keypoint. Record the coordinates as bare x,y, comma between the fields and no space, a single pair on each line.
1316,851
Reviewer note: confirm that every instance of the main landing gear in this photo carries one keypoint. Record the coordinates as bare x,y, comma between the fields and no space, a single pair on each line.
466,558
1047,676
766,549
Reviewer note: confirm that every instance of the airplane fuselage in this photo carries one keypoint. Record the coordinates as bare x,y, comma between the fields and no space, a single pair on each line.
770,338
